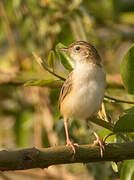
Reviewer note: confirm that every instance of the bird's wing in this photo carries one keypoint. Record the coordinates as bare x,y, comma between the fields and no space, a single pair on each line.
66,88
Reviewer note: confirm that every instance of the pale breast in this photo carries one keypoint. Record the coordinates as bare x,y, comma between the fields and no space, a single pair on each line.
87,93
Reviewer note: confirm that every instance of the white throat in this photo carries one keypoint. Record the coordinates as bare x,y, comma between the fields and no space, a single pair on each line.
84,71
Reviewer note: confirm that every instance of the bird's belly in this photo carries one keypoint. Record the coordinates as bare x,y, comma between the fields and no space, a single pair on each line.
87,92
86,100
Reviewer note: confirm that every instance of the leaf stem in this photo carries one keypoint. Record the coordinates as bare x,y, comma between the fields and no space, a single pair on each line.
118,100
42,63
53,73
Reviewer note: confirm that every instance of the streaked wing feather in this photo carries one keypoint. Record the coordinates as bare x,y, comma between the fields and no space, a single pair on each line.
66,88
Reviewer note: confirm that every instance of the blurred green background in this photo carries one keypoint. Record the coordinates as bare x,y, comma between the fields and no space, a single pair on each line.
29,116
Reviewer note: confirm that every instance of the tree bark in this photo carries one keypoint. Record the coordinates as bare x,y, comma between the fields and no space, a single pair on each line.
45,157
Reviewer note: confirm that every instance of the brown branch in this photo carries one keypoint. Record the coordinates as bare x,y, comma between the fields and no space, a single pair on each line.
101,123
43,158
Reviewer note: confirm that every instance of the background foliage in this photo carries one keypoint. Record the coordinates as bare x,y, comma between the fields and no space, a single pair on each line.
29,116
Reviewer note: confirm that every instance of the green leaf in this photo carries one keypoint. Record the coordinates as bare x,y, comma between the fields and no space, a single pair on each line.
125,123
65,59
42,82
51,59
127,171
114,166
127,70
104,132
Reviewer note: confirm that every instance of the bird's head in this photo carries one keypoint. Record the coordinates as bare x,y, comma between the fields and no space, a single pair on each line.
82,51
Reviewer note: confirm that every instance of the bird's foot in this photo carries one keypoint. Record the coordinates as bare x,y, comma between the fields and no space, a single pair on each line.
69,143
99,142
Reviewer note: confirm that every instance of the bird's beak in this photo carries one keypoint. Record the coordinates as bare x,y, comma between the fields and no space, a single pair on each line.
63,49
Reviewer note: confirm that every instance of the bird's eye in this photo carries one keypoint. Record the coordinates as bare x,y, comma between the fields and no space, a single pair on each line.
77,48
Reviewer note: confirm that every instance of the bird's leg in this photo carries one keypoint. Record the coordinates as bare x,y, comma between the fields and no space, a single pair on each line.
69,143
98,141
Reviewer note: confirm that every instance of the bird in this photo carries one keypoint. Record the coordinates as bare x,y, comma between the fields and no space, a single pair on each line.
82,93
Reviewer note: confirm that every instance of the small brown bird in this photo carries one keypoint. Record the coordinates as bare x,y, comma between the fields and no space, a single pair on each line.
83,91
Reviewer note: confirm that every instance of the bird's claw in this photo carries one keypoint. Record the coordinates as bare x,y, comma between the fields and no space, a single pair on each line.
69,143
100,143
